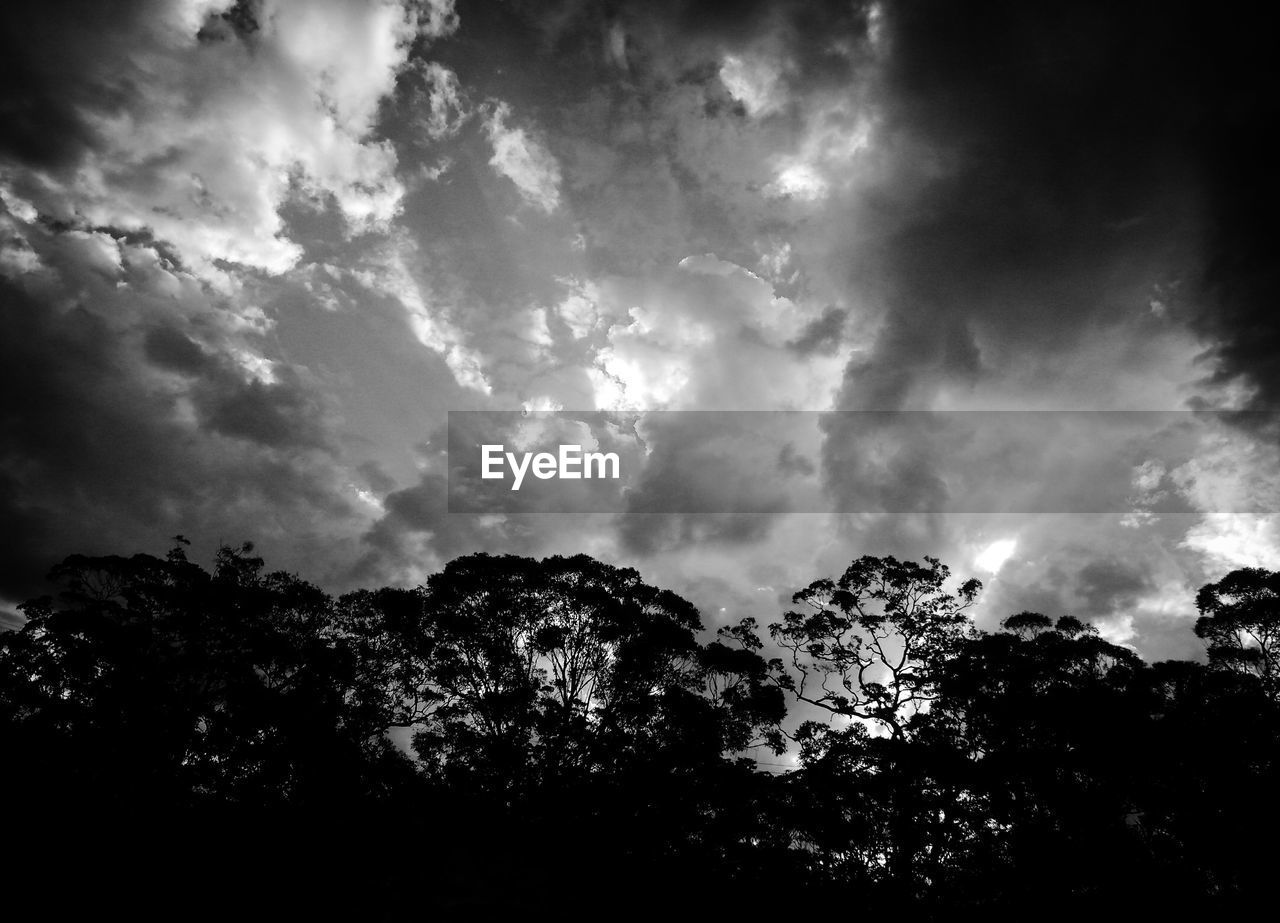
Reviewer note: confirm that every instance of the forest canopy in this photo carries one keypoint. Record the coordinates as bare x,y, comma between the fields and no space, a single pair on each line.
572,723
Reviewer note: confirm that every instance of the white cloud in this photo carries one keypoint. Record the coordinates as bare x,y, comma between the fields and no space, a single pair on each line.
430,323
1232,472
801,181
580,308
438,19
832,140
216,131
1227,541
523,160
17,206
616,46
446,105
712,336
17,258
1234,481
994,556
754,81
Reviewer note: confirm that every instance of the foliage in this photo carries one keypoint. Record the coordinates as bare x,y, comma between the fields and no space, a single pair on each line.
572,723
873,642
1240,621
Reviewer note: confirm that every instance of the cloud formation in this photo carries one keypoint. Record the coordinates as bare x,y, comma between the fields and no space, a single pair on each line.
251,253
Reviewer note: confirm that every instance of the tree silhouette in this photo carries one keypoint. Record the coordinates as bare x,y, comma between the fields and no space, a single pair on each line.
516,724
224,686
1043,718
515,672
179,726
1240,621
873,641
1027,624
871,650
569,697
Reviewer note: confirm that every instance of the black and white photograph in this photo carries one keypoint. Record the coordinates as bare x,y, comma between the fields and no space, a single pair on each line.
639,459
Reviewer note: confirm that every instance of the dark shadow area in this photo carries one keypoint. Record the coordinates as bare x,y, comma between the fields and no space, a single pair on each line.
526,738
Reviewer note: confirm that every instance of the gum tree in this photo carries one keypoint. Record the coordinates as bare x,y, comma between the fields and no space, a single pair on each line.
869,644
1240,622
870,647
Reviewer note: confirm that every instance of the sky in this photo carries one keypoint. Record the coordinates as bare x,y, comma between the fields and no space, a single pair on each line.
252,254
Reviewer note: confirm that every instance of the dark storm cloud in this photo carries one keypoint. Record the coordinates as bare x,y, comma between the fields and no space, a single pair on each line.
451,511
1108,586
171,349
790,462
1012,461
282,414
376,478
156,159
279,256
1160,637
1049,151
623,91
822,335
420,510
417,533
1232,119
1045,168
1028,217
1043,165
53,74
713,478
1043,171
817,34
650,533
99,457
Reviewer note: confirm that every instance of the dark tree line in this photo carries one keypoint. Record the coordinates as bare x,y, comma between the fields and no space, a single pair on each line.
559,738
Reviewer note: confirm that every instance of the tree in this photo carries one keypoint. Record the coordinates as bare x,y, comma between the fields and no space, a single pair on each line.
570,723
1027,624
873,641
151,678
567,701
521,671
1240,621
871,649
1048,721
187,731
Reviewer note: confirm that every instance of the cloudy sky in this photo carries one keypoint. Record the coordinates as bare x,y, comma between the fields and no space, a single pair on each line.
252,254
